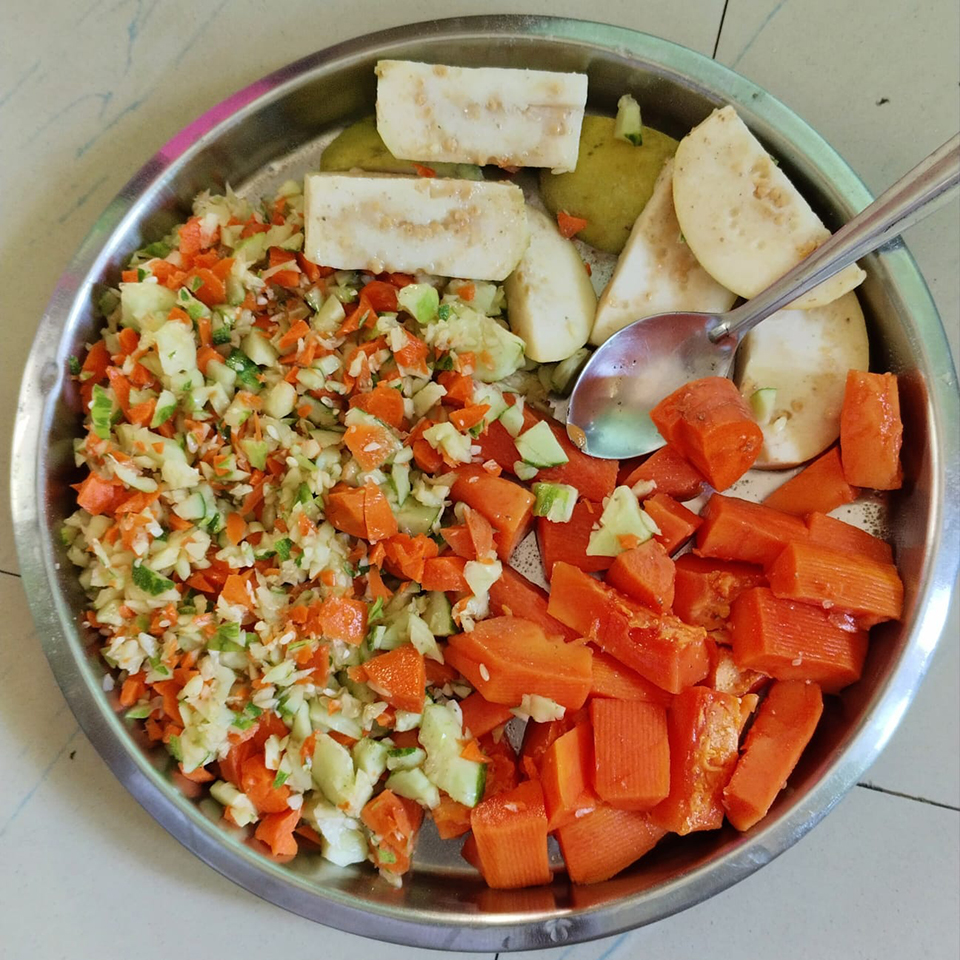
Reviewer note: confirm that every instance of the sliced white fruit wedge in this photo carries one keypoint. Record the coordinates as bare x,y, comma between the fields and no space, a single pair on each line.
744,220
550,300
804,356
455,228
523,118
656,272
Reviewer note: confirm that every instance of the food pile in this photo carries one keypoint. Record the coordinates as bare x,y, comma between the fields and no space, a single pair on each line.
317,428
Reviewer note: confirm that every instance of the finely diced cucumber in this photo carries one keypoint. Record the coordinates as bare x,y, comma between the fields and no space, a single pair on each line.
555,501
628,125
259,349
622,517
763,402
428,396
246,370
145,305
539,447
400,479
438,615
333,770
420,300
440,735
422,638
414,517
329,316
565,373
371,756
256,451
405,758
447,439
414,785
101,412
166,407
492,396
512,417
279,400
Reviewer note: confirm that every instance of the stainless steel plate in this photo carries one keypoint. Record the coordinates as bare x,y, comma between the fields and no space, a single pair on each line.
275,121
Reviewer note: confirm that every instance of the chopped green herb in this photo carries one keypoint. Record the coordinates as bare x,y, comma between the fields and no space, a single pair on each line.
74,365
283,548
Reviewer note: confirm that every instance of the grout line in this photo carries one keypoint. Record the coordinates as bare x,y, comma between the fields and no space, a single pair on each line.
10,573
716,45
909,796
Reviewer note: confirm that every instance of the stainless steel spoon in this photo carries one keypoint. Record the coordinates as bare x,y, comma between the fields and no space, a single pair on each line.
609,412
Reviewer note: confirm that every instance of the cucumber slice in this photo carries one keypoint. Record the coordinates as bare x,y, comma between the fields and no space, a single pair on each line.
539,447
525,471
400,479
438,615
440,735
628,125
555,501
405,758
414,517
512,418
565,373
414,785
259,349
370,756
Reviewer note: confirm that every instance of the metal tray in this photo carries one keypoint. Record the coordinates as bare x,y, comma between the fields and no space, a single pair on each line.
273,128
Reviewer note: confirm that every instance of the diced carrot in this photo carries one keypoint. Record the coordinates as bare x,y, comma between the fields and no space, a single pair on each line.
394,822
399,677
711,425
458,386
444,573
236,528
594,479
426,457
99,496
256,781
704,588
672,474
470,416
439,674
838,535
382,296
371,444
736,529
871,591
406,556
795,641
141,413
677,524
413,354
383,402
481,534
206,356
871,431
480,716
567,542
662,649
451,817
568,224
726,676
459,540
565,776
276,831
197,775
780,733
704,732
469,851
344,510
129,340
506,657
511,836
340,618
313,271
605,841
612,679
133,689
514,595
190,238
236,590
507,505
211,291
820,486
646,574
378,517
376,587
631,753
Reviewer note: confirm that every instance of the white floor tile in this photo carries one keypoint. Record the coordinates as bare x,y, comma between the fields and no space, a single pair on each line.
876,879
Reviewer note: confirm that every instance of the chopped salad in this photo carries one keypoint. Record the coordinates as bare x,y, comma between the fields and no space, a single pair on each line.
302,486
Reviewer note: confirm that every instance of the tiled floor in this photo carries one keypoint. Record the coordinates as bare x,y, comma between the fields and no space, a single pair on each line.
90,92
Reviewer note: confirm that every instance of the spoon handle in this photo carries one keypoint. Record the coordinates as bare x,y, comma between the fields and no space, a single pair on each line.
907,202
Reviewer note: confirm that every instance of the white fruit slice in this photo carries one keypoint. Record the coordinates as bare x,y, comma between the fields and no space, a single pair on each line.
656,272
454,228
523,118
804,355
550,300
744,220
